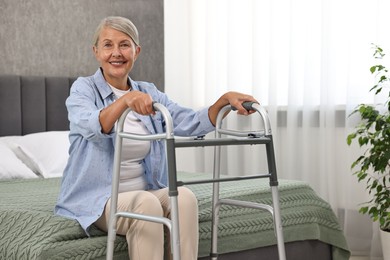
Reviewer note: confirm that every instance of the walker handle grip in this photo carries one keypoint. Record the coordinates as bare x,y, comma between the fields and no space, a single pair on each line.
247,105
154,108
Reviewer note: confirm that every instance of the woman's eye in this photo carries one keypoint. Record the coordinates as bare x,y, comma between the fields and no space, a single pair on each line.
107,45
124,45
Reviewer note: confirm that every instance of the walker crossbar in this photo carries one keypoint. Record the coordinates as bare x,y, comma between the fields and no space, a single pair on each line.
154,219
226,179
222,142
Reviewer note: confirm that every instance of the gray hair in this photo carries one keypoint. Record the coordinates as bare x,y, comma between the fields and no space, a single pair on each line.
120,24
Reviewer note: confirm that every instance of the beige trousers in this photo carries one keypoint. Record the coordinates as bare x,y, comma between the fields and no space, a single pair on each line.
146,239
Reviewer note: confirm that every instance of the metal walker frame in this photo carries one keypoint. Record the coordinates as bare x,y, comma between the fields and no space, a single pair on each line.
236,138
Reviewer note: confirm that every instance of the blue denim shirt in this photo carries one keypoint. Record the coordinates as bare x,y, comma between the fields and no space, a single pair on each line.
86,182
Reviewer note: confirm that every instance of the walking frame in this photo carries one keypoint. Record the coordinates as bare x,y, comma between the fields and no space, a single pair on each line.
233,137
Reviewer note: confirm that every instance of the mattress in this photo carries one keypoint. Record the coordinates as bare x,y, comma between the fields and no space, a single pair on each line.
30,230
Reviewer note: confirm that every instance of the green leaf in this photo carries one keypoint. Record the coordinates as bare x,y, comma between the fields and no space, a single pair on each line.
350,138
363,140
378,91
373,211
383,78
361,175
363,210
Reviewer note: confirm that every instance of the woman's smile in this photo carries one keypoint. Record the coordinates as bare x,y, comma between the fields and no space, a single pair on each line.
117,63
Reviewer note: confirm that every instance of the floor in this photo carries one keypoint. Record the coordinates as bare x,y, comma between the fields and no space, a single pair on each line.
359,258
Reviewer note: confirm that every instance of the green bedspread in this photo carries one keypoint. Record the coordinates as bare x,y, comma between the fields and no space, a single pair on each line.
29,230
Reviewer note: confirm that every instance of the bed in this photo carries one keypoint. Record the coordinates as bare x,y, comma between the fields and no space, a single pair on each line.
33,152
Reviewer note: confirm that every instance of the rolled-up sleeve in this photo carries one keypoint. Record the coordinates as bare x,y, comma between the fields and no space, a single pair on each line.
187,122
84,105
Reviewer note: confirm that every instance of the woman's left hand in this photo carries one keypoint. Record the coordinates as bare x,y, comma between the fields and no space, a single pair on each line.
234,99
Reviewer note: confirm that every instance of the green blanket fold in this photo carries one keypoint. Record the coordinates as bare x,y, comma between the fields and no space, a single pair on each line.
30,230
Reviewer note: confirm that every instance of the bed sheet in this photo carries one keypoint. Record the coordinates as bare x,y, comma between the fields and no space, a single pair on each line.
30,230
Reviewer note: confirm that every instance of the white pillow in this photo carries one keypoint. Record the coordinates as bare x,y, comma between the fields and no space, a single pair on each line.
11,167
11,141
46,153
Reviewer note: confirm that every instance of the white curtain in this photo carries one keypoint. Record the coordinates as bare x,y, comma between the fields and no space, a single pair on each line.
307,62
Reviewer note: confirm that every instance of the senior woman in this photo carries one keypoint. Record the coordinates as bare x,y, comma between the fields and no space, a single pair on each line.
94,105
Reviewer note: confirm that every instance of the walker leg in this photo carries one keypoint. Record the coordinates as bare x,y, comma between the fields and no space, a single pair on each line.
214,232
114,200
110,244
278,223
215,202
175,237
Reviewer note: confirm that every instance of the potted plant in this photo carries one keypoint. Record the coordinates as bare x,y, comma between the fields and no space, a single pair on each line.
373,166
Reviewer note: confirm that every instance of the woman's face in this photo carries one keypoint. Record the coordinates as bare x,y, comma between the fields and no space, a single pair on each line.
116,52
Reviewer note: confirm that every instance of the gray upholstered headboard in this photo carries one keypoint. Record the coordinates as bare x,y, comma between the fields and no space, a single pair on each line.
30,104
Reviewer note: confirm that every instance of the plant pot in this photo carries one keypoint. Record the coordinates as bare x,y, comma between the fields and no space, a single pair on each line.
385,241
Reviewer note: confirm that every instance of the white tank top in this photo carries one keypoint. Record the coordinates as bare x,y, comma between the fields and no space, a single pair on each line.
132,173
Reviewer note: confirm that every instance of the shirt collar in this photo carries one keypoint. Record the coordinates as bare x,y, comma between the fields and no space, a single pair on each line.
103,87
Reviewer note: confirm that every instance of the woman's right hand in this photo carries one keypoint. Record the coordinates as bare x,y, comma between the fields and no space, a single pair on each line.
139,102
